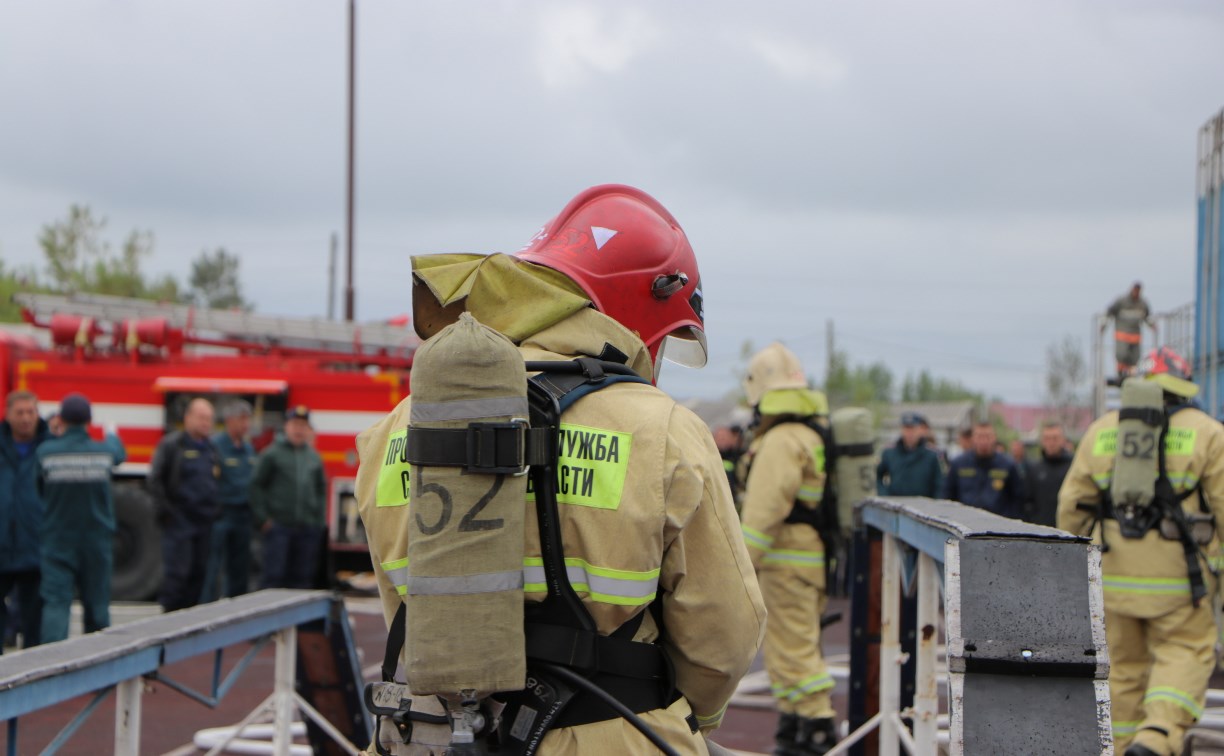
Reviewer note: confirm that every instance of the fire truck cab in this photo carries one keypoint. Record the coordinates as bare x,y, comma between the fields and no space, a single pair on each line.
141,362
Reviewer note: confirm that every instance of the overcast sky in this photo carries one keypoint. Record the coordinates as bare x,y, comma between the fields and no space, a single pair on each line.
955,184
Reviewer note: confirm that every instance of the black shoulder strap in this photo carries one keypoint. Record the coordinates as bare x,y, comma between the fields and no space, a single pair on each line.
1170,502
395,643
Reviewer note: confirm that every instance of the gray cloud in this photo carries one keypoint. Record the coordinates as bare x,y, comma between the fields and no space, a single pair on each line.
956,184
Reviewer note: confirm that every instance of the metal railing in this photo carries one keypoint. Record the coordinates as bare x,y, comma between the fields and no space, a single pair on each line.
118,660
1024,633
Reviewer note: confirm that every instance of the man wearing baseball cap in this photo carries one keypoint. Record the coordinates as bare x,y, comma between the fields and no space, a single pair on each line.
910,467
289,504
79,524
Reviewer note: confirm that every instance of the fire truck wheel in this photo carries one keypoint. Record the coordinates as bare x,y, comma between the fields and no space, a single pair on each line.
138,568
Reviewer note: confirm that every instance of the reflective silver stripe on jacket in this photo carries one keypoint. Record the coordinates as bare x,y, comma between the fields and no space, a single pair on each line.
603,584
89,467
461,585
466,409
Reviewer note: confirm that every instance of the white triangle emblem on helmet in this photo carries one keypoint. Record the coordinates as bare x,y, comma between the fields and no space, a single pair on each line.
601,235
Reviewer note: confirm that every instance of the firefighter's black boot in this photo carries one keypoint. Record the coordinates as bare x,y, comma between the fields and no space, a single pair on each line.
788,728
815,737
1139,750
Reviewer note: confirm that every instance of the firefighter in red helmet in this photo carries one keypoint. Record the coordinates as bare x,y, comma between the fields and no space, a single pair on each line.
653,549
1147,483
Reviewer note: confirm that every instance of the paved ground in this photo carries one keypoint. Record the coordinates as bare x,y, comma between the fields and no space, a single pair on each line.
171,720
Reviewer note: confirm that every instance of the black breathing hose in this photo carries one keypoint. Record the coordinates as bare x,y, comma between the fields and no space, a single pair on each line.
617,706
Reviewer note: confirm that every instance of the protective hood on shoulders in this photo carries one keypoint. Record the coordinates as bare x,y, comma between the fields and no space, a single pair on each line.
589,333
801,402
512,296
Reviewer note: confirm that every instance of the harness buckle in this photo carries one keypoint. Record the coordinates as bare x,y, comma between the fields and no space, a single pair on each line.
497,448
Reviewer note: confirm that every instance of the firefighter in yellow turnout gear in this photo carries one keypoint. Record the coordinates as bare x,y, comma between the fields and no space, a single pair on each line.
1161,637
648,527
787,475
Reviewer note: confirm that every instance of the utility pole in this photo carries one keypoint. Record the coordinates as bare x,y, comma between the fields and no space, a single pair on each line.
352,138
331,277
828,350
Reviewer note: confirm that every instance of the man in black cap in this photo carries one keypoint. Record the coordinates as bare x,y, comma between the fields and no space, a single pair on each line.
289,503
910,468
79,524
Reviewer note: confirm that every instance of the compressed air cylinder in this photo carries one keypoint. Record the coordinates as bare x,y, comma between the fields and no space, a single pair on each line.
464,596
1137,460
855,439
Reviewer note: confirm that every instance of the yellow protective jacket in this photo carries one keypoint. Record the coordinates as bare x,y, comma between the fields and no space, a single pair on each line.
660,522
1146,577
787,465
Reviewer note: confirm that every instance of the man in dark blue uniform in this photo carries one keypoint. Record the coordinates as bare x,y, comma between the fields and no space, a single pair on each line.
985,478
79,524
183,481
231,538
21,512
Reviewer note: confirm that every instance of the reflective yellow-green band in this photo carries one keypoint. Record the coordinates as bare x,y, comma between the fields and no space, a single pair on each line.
397,573
810,493
1173,695
1122,729
795,556
713,719
805,687
756,538
602,584
1144,585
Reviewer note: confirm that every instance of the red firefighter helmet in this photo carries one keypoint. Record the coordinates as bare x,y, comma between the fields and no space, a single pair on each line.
633,260
1169,369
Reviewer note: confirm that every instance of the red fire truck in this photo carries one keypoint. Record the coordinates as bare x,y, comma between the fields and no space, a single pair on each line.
141,362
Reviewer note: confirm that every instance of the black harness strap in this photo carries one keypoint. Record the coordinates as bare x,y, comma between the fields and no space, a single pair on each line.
559,629
395,643
1171,503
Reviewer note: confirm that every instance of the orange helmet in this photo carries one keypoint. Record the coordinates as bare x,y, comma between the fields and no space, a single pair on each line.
1169,369
632,259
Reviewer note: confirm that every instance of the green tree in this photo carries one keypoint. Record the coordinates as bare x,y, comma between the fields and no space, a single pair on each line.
857,385
927,388
80,260
214,281
1066,375
15,282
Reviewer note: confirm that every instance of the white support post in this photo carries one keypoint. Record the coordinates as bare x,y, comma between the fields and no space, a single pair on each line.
926,693
127,716
890,647
284,705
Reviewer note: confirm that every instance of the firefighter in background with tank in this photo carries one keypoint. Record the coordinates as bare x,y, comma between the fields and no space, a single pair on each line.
786,479
1159,620
79,523
1129,313
656,542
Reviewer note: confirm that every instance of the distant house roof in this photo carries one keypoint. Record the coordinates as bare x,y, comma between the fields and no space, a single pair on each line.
1027,418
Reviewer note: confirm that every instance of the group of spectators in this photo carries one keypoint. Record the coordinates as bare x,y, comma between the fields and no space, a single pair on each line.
983,475
211,492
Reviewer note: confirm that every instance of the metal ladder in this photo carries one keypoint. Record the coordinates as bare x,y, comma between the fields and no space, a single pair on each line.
264,330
